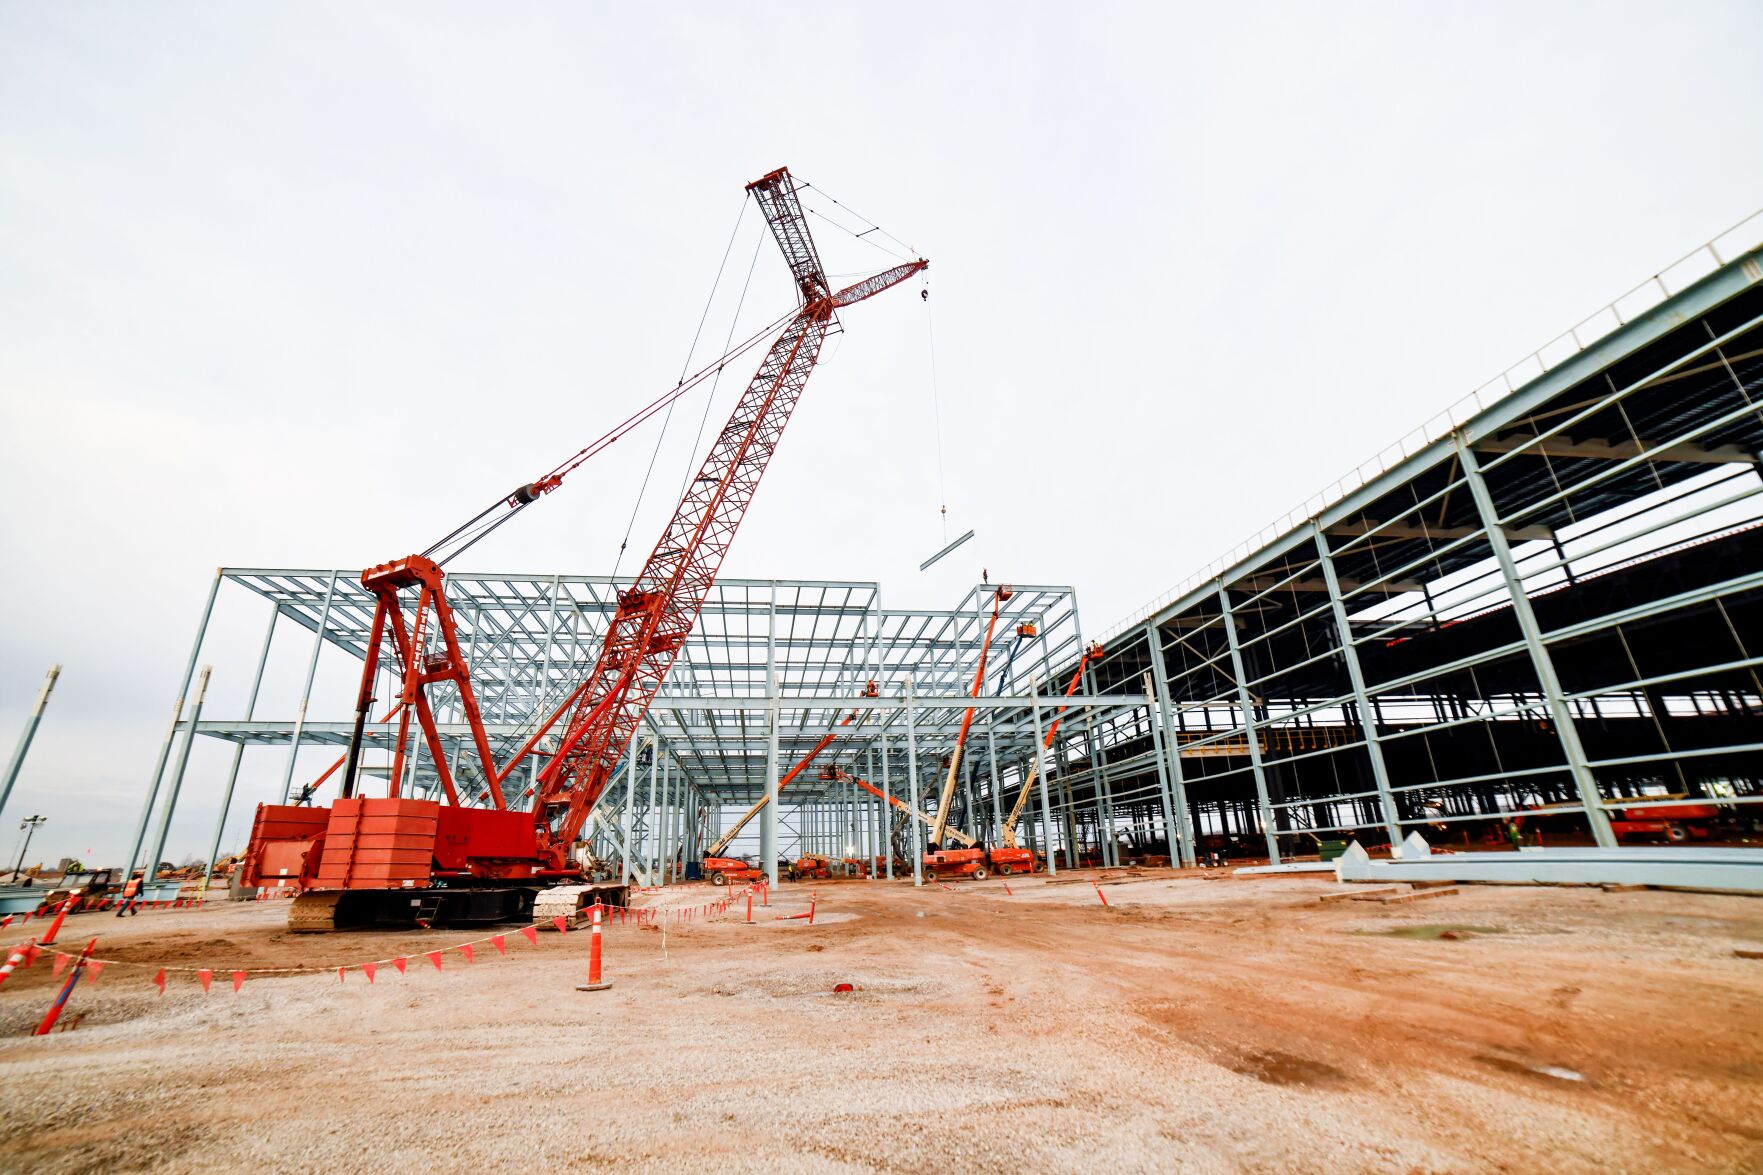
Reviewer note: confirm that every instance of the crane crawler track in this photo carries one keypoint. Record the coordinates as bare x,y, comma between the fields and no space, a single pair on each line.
572,901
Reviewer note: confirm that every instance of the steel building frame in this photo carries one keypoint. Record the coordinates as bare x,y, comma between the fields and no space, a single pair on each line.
1550,597
1554,597
771,666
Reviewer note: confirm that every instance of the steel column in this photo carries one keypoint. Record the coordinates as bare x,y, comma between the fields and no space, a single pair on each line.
887,806
912,786
1565,726
232,777
1171,829
324,616
1034,710
630,802
1254,740
768,818
177,778
1178,789
1356,676
996,783
177,712
30,732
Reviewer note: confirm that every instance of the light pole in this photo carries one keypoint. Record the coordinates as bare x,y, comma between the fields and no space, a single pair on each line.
29,826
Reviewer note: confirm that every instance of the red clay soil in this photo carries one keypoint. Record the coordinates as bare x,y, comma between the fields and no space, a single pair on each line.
1200,1023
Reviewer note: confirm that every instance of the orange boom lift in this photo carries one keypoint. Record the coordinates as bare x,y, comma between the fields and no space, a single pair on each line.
404,861
970,860
722,869
1010,857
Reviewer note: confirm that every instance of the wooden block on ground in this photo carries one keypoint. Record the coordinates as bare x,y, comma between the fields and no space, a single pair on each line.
1418,895
1359,894
1622,888
1744,954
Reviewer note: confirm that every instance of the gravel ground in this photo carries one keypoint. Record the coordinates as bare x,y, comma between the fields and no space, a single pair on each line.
1201,1023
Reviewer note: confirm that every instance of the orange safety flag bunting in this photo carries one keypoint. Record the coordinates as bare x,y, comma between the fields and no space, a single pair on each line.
500,943
400,964
238,980
465,950
159,981
368,969
93,966
435,958
207,977
531,933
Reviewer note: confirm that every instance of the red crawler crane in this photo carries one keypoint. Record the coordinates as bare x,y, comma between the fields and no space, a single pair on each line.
400,860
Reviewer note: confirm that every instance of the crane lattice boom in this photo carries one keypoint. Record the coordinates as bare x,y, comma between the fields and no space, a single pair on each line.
657,612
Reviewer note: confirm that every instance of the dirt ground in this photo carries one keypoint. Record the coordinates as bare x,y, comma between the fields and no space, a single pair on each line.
1199,1023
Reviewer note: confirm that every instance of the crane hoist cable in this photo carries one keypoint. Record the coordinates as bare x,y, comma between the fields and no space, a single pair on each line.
862,219
479,526
716,382
936,409
661,437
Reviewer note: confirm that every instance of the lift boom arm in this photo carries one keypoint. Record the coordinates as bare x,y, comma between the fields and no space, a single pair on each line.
940,825
902,805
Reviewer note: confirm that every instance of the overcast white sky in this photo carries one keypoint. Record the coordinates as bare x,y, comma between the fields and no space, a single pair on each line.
301,285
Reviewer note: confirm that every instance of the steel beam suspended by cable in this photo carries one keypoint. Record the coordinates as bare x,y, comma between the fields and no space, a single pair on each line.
925,566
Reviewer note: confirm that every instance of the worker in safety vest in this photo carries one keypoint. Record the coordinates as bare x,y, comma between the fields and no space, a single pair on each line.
130,891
